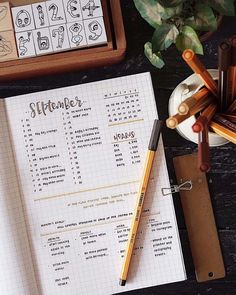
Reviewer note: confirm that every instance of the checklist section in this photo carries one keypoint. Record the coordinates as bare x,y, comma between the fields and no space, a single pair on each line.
30,149
73,151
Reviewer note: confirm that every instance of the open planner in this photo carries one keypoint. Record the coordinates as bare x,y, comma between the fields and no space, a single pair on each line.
71,160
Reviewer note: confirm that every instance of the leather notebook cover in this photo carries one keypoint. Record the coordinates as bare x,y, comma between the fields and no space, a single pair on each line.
199,219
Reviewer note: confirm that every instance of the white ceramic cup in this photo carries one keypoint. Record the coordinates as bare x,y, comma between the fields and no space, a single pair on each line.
184,90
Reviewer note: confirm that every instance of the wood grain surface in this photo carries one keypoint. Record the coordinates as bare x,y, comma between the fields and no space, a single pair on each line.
222,177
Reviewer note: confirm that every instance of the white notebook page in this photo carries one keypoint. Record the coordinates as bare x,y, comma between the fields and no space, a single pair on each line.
16,270
80,152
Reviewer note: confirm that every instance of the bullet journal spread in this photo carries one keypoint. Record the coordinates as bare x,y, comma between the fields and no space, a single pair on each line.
71,162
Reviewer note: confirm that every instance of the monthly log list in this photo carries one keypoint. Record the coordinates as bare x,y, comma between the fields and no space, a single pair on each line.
70,136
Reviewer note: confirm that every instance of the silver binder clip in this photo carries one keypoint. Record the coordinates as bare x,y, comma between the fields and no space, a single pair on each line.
185,186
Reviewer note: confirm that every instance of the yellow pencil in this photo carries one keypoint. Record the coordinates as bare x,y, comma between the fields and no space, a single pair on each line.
140,199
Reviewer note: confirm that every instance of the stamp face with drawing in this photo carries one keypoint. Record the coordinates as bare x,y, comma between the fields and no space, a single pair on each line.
42,41
59,38
40,15
95,31
23,18
56,13
76,34
5,17
3,12
7,46
25,44
91,8
72,10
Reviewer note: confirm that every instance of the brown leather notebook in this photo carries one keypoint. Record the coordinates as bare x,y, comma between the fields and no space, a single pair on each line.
199,219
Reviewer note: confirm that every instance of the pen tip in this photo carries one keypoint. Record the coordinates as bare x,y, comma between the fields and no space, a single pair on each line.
156,130
122,282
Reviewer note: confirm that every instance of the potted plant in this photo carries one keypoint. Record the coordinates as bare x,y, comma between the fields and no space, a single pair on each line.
180,22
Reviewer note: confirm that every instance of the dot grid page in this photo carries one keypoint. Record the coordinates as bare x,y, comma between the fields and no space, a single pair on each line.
80,152
16,271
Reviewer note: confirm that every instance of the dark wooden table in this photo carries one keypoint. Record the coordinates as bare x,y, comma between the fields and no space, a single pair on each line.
222,177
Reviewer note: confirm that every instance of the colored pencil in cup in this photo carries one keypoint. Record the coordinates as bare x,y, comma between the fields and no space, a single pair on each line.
232,107
189,102
196,65
173,121
203,150
205,117
230,117
224,122
223,131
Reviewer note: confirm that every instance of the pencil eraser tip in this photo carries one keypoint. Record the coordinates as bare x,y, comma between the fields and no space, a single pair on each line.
182,109
188,54
196,127
171,123
204,167
122,282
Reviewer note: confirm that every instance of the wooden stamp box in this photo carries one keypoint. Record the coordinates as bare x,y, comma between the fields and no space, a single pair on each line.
107,54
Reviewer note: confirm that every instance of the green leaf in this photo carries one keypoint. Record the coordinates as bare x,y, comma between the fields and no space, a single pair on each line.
170,3
153,12
224,7
168,12
203,19
164,36
149,11
155,58
188,39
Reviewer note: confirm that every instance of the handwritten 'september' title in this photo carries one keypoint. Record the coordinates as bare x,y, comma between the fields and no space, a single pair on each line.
44,108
